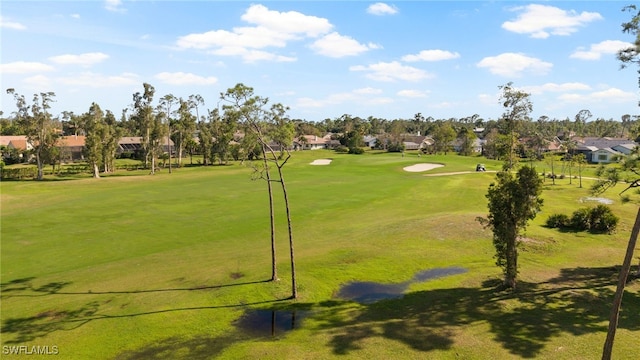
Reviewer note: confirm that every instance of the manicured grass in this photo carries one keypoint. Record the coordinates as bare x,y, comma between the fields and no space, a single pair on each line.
162,266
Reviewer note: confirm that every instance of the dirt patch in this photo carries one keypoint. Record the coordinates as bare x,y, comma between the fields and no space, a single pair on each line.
422,167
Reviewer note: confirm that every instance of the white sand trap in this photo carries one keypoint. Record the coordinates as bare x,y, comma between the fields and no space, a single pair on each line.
422,167
321,162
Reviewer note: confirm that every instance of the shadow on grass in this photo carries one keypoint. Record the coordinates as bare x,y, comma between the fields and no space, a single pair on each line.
576,302
200,347
30,328
24,288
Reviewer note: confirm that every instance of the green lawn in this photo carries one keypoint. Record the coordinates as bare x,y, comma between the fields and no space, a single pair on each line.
162,267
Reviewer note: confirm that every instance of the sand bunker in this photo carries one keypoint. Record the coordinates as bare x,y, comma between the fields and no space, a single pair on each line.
321,162
422,167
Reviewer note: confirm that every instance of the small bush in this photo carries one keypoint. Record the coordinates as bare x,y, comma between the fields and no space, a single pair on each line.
558,221
342,149
599,219
602,219
581,219
356,150
397,147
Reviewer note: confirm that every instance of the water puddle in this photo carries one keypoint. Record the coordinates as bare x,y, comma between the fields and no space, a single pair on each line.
270,323
367,292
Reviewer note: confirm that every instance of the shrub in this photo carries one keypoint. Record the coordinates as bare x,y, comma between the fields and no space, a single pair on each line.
580,220
396,147
558,221
356,150
342,149
602,219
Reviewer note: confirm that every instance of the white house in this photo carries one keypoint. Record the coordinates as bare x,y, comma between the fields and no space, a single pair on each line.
604,156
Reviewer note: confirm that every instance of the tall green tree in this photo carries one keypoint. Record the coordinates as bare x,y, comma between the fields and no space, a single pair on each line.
513,201
93,124
517,107
143,117
185,127
443,135
166,104
149,125
112,134
467,139
205,135
36,122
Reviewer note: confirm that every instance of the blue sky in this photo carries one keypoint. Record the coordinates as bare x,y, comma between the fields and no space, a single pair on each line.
323,59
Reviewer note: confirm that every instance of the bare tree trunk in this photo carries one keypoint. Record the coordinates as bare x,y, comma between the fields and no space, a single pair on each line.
511,272
39,162
294,285
169,145
96,171
272,218
617,299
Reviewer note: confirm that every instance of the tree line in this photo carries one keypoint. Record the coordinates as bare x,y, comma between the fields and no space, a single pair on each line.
219,137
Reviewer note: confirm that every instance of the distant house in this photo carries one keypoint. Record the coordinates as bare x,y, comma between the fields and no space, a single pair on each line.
370,141
604,156
133,145
625,148
314,142
476,147
20,145
71,147
603,150
410,145
6,139
129,145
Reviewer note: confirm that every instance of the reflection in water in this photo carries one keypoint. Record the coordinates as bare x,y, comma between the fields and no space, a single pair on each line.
368,292
264,323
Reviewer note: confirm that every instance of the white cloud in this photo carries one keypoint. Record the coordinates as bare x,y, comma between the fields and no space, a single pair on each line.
250,37
541,21
553,87
412,93
597,50
392,71
609,95
364,96
378,101
368,90
94,80
336,46
250,56
382,9
24,67
514,64
273,29
86,59
75,16
181,78
114,5
4,23
431,55
38,82
291,22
